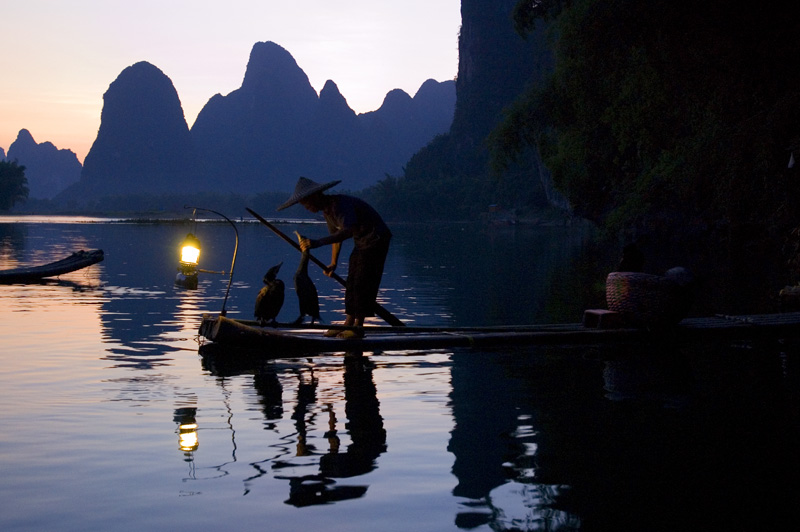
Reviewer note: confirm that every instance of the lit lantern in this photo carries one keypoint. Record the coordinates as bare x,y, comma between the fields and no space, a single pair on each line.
187,270
190,253
190,250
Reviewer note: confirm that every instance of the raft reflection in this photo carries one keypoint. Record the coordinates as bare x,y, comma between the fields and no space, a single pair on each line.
363,426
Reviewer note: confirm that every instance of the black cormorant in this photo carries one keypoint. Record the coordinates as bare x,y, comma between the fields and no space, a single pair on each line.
270,298
306,292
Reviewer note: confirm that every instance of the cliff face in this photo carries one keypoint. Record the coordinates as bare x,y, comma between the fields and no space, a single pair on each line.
48,169
143,144
495,66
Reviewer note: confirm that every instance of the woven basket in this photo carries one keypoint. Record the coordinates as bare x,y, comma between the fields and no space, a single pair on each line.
646,300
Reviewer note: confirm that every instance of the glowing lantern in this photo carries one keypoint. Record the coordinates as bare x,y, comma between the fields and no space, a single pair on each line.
190,253
190,250
187,270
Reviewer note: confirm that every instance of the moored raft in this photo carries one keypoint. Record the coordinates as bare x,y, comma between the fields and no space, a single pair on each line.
281,341
31,274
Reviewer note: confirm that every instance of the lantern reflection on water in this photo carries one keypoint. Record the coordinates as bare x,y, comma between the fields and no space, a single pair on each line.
188,441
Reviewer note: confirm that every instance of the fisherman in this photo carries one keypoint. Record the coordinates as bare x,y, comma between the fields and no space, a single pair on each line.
348,217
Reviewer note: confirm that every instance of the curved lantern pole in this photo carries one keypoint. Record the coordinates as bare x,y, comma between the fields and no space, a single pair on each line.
223,312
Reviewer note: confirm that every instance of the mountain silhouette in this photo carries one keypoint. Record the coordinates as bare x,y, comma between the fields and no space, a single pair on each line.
275,128
258,138
253,137
403,125
143,144
48,169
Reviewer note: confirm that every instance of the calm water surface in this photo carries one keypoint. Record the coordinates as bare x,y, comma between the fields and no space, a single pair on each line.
115,419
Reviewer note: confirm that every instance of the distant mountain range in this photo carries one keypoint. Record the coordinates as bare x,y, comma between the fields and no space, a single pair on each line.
275,128
49,170
259,138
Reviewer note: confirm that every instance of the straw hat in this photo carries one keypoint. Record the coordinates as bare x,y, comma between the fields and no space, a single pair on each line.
305,188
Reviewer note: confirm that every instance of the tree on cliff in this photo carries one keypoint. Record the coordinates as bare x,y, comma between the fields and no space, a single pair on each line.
667,111
13,185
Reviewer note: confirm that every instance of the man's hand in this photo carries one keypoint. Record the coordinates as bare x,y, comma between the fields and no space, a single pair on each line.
305,243
330,268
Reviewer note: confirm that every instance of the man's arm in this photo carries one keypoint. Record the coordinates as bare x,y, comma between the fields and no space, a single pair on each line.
336,247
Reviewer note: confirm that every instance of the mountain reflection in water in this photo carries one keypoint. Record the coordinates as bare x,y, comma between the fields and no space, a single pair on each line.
115,419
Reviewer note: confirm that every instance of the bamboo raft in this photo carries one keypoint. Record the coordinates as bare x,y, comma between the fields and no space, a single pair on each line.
31,274
284,341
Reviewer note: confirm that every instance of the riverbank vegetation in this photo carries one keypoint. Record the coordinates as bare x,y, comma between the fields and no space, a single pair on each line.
13,185
666,116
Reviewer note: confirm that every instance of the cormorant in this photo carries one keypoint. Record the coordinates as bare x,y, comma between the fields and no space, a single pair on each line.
270,298
306,291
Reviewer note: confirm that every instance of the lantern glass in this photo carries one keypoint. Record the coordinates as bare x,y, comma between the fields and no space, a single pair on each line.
190,250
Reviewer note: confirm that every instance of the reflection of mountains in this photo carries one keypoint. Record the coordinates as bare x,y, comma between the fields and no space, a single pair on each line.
626,437
144,313
441,273
50,243
489,276
12,244
364,424
538,419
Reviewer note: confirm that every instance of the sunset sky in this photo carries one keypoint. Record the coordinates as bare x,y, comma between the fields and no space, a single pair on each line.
60,57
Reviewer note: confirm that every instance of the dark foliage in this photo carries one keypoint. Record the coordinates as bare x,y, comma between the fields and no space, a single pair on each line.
670,116
49,170
13,184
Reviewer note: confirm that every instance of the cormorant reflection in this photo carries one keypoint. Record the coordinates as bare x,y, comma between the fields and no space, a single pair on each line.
306,396
270,392
365,427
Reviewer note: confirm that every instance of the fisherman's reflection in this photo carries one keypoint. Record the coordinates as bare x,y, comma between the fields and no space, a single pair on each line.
365,427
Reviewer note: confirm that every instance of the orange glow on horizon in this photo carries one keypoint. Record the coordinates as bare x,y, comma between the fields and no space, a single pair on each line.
53,86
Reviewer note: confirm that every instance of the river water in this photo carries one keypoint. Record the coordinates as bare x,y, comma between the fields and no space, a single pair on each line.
114,418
